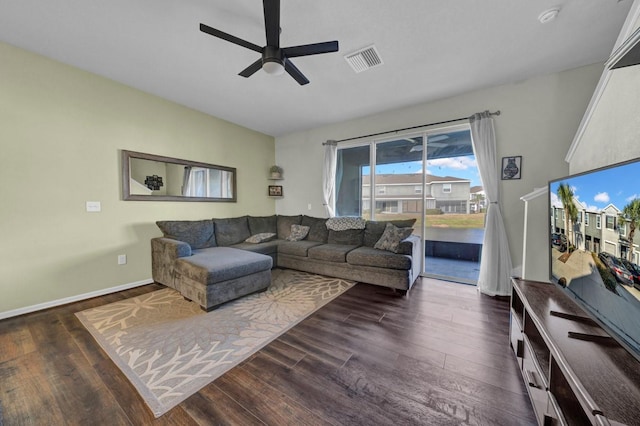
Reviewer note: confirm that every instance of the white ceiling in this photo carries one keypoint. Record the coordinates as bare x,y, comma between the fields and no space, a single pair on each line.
431,49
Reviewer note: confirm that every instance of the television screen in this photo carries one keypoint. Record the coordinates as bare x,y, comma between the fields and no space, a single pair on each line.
595,246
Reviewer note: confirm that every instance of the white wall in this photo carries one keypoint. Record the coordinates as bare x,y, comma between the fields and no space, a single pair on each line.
613,133
611,129
539,119
61,132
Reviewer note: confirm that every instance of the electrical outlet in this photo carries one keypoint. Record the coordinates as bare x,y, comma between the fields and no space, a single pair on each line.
122,259
93,206
309,206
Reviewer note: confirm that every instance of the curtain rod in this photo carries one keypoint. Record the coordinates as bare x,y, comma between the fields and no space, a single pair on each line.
403,129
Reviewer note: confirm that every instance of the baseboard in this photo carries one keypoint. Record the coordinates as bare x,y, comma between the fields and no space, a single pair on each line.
77,298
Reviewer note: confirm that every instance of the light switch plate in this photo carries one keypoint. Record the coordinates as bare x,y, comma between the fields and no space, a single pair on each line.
93,206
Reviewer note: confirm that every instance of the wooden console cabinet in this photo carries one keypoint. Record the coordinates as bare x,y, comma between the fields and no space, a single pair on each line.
584,379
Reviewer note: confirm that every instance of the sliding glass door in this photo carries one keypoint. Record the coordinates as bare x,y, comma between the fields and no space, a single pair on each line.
388,180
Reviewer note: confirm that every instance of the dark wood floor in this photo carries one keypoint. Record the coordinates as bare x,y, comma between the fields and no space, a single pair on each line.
439,356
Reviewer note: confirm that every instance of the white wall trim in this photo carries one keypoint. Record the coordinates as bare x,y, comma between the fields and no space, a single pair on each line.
537,192
626,31
71,299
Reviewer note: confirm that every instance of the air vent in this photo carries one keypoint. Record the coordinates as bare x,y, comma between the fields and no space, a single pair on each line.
364,59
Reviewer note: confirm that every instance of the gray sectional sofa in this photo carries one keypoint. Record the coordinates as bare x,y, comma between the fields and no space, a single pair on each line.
216,260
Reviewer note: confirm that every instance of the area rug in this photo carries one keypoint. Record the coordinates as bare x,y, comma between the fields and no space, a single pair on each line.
169,348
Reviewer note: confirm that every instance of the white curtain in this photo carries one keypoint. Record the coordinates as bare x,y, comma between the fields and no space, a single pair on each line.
329,176
495,264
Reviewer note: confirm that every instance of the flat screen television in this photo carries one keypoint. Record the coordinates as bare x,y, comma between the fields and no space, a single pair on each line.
591,239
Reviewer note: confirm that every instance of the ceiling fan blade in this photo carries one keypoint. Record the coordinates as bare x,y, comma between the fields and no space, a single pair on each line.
295,72
310,49
251,69
272,22
228,37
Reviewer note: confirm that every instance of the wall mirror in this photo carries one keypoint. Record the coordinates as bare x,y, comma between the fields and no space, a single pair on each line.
148,177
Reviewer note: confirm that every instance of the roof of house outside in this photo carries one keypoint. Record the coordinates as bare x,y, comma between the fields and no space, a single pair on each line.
409,178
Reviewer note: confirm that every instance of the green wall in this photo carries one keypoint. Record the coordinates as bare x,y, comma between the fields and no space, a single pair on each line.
61,132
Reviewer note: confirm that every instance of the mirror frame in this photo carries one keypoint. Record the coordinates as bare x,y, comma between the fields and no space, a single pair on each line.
126,175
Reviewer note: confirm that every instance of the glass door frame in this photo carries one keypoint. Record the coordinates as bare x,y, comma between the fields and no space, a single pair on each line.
373,145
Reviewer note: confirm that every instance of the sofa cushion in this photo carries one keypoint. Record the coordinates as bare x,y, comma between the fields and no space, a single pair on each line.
392,237
268,247
197,233
262,237
261,224
374,229
349,236
317,228
284,225
331,252
345,222
367,256
296,248
231,231
218,264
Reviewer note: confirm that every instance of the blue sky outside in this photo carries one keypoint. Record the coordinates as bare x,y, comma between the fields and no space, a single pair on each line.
617,185
460,167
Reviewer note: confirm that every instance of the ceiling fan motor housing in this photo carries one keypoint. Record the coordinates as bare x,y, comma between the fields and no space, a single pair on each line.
272,54
272,60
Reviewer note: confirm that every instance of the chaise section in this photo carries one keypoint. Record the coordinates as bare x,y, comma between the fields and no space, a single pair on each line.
219,274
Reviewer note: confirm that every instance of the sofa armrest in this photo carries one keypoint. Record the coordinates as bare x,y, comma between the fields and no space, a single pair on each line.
164,253
416,254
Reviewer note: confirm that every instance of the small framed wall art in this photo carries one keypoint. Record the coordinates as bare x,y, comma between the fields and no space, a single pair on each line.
275,191
511,167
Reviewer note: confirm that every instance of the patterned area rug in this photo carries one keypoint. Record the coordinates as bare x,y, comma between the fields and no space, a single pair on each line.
169,348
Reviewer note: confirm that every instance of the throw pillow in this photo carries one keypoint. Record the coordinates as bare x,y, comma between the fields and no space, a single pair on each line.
345,222
298,232
391,238
262,237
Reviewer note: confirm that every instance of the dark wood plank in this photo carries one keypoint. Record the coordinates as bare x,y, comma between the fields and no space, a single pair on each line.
26,393
211,406
266,403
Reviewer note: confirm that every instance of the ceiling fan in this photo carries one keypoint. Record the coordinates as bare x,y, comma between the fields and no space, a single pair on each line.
275,60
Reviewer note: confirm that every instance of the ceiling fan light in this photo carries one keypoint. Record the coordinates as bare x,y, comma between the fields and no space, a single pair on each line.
273,67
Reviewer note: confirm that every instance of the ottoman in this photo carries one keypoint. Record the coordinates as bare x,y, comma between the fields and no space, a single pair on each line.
217,275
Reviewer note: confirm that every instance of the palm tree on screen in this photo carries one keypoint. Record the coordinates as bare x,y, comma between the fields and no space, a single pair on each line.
631,212
565,193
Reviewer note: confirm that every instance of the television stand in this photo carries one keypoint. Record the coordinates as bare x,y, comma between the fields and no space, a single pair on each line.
574,372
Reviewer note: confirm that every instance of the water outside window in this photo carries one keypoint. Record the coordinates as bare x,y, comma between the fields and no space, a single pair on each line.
445,198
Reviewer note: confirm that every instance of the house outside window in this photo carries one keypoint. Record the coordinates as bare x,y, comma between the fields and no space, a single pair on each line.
598,222
586,219
418,190
446,187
